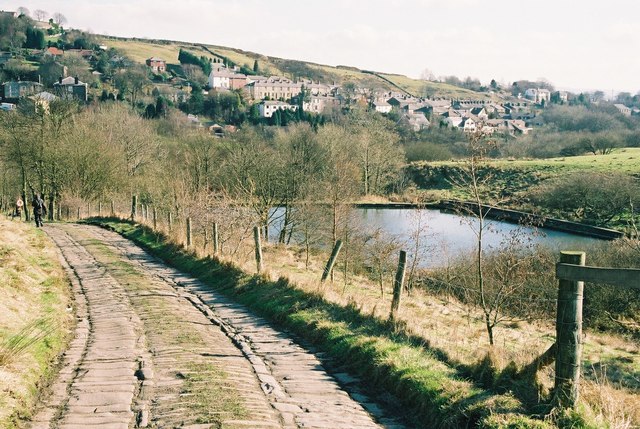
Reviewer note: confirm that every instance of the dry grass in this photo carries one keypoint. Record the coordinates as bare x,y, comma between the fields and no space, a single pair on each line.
34,317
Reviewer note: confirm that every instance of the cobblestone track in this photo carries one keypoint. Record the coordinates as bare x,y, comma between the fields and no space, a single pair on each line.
97,385
192,337
294,379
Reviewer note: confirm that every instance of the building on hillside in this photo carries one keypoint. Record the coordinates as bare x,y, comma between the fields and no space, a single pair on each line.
480,113
20,89
7,106
538,95
319,103
42,100
626,111
54,52
9,13
268,108
274,88
71,88
222,77
157,65
87,54
382,106
417,121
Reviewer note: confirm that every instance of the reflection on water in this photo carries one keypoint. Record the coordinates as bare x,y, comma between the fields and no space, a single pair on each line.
447,235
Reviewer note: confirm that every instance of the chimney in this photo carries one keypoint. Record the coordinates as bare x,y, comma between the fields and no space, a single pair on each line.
77,80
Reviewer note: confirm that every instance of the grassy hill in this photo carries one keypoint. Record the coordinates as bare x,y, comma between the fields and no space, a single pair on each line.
141,49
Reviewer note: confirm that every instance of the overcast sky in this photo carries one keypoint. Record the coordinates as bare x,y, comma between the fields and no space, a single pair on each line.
575,44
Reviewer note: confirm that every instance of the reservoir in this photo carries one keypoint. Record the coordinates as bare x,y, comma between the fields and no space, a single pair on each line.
444,235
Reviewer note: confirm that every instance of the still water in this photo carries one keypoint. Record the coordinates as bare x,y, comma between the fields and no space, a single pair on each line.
445,235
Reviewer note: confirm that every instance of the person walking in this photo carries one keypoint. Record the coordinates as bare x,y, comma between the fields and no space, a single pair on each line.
19,206
39,209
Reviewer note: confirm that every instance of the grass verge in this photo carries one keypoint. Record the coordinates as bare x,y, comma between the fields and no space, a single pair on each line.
34,321
437,394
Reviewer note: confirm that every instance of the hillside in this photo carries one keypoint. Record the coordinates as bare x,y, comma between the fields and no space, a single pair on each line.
141,49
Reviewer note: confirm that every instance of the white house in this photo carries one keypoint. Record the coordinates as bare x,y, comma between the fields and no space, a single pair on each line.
538,95
382,106
268,108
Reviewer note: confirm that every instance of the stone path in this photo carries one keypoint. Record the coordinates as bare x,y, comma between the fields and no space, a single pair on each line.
157,348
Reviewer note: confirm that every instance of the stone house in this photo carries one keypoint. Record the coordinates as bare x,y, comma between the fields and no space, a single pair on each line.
157,65
20,89
71,88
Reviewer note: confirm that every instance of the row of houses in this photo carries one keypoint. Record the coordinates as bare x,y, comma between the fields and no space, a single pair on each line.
466,115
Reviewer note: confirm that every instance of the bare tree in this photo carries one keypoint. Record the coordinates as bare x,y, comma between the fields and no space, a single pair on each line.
59,19
40,14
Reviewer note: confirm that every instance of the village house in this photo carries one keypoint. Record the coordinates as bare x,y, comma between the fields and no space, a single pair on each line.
157,65
274,88
417,121
20,89
538,95
71,88
54,52
42,101
223,78
268,108
319,103
626,111
382,106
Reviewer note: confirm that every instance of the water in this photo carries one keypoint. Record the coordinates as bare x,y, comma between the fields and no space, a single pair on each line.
445,235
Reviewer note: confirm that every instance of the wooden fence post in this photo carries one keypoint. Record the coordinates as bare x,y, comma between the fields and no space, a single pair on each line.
188,232
100,208
569,335
332,261
88,209
134,207
155,218
256,238
113,208
169,220
398,285
216,249
68,212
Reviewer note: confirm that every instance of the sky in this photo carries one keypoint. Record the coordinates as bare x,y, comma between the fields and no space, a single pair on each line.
574,44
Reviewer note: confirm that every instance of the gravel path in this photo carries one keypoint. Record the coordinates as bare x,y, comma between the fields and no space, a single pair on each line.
157,348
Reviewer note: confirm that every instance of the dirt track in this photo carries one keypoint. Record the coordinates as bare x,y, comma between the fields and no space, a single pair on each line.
156,348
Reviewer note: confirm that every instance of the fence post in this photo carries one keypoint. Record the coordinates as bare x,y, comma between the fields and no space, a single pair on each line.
569,335
332,260
215,239
155,218
169,220
100,208
398,285
256,238
113,208
188,232
89,209
68,213
134,207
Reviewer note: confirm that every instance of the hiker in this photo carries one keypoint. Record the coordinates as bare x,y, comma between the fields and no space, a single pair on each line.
19,205
38,209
